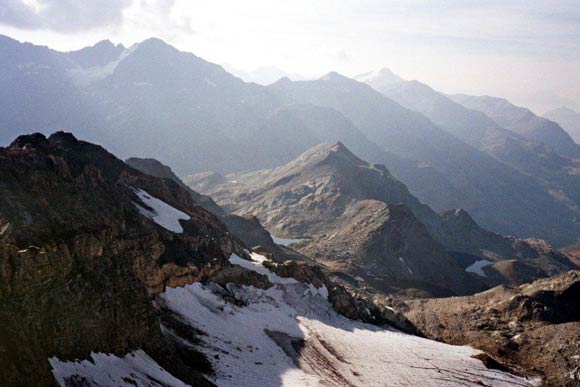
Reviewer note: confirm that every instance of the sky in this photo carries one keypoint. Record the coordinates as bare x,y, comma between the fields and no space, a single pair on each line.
526,51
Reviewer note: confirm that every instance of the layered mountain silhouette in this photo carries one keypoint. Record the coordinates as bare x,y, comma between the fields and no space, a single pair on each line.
356,217
153,101
277,234
477,177
522,121
528,156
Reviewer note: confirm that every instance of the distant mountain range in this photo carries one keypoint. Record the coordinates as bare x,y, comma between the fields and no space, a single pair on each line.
523,122
151,100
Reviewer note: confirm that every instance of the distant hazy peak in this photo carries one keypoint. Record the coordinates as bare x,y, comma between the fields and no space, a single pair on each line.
380,79
154,45
282,81
8,39
154,42
334,76
107,44
98,54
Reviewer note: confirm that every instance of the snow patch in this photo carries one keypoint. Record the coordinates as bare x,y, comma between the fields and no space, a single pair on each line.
162,213
87,76
405,264
322,291
104,370
477,267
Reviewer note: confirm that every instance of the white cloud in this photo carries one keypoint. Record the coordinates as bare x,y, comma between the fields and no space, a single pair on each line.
62,15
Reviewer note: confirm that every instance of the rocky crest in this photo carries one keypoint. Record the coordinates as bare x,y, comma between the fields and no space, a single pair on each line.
79,264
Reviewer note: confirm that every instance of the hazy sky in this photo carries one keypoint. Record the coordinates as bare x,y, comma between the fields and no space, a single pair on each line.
527,51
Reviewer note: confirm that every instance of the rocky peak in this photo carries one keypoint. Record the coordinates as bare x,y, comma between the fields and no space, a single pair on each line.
326,152
36,141
153,167
99,54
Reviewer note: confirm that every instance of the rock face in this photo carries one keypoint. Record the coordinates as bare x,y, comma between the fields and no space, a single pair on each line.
79,262
345,208
533,327
392,250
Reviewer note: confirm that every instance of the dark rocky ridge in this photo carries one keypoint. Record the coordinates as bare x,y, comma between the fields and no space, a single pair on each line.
79,264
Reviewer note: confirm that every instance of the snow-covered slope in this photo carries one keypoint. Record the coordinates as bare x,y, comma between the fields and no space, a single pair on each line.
160,212
290,335
103,370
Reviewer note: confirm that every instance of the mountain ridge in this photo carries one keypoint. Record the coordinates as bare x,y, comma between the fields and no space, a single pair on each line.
321,195
205,116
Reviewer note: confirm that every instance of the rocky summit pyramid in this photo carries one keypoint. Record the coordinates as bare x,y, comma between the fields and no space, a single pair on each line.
355,216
